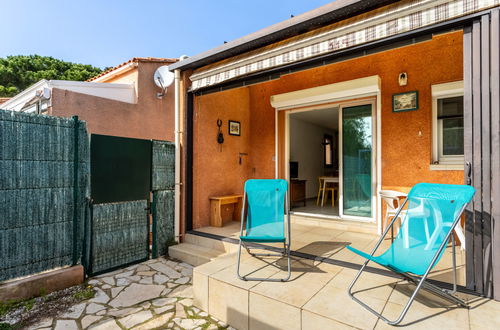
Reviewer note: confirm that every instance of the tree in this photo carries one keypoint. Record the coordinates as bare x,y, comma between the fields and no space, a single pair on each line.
19,72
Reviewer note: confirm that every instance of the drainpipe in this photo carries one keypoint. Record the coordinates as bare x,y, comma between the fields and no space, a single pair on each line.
177,198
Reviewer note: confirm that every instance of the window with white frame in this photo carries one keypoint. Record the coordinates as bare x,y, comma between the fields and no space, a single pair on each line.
448,123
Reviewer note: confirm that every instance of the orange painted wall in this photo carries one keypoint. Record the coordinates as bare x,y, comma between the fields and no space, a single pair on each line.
216,169
128,77
149,118
406,155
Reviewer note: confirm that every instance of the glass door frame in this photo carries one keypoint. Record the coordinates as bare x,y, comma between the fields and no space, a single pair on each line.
374,153
374,101
287,147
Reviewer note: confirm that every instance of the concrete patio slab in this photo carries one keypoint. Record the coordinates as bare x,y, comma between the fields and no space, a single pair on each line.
316,295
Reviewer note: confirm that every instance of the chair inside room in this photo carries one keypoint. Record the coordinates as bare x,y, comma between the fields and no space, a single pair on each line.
330,189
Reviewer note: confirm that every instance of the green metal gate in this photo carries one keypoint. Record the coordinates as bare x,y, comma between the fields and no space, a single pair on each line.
119,235
132,201
120,196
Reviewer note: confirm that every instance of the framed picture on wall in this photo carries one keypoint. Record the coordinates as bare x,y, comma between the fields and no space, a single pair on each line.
234,128
405,101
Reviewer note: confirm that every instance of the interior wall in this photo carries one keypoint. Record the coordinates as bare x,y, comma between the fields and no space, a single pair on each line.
307,150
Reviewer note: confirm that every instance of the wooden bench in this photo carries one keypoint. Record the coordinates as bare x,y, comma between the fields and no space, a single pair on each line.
216,204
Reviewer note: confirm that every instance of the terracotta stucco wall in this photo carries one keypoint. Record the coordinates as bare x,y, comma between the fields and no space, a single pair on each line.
217,170
406,137
129,77
150,118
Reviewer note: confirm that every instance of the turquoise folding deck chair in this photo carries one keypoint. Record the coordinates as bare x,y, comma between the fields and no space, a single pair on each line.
433,212
265,203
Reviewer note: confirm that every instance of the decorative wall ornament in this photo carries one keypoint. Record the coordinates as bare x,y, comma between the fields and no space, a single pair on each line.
220,135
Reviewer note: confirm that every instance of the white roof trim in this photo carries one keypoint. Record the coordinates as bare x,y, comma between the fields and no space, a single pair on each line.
356,88
19,100
118,92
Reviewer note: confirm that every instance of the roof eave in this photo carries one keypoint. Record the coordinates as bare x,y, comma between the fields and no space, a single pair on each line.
127,66
327,14
25,95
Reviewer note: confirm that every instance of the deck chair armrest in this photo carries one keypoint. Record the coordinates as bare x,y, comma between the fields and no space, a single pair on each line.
244,210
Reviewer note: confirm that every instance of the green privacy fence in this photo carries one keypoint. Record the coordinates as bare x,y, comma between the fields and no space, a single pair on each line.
163,221
163,183
163,166
119,235
44,172
45,218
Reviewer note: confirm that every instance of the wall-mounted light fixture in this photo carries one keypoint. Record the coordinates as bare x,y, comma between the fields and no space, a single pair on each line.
403,79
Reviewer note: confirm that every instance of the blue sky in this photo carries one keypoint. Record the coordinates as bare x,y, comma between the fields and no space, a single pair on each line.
107,32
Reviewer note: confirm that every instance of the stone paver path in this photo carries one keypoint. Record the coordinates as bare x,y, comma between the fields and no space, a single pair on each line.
154,294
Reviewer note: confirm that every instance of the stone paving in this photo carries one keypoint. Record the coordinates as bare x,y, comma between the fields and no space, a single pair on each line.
154,294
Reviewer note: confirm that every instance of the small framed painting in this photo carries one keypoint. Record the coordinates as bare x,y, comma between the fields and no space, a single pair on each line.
234,128
405,101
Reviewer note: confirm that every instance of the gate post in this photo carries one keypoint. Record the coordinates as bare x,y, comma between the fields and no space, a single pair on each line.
86,237
154,252
75,190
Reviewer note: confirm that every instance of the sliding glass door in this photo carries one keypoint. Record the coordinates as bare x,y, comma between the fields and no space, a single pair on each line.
357,161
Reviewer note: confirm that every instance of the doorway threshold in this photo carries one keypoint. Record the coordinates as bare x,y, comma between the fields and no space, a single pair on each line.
316,215
334,222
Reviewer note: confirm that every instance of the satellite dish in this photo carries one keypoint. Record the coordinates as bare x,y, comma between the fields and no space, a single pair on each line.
163,77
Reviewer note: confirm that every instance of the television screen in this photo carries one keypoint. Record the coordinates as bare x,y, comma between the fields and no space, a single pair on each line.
294,170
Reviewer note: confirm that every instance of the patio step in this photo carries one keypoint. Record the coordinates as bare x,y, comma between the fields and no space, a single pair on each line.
211,243
193,254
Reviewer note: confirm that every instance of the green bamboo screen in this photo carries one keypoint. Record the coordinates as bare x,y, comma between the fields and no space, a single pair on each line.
163,183
163,211
163,165
44,185
44,169
119,234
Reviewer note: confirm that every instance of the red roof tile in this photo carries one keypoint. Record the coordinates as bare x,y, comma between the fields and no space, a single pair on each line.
136,60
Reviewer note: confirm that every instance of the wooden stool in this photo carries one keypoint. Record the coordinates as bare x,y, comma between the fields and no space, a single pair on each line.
216,208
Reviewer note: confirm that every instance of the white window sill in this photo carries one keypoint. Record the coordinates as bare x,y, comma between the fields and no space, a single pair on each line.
447,167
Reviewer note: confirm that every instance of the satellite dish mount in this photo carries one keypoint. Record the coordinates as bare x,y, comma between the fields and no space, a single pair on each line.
163,78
